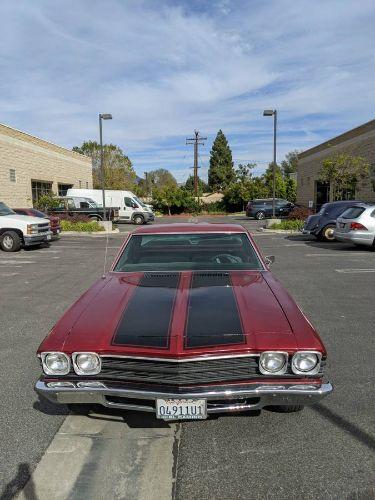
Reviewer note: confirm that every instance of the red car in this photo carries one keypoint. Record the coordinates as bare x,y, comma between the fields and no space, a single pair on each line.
188,322
55,221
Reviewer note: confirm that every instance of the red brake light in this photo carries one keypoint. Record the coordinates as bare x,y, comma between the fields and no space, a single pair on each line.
356,226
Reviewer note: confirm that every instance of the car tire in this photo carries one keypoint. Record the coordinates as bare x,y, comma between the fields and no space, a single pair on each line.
288,408
260,215
138,220
10,241
95,218
326,234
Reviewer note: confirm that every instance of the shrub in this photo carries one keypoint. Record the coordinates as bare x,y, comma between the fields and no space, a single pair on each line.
74,218
291,225
299,213
84,227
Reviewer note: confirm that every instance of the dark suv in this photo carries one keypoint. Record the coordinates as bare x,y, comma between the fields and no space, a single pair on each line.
322,224
260,209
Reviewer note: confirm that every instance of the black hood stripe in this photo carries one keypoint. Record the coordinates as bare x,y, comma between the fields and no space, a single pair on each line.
147,317
213,317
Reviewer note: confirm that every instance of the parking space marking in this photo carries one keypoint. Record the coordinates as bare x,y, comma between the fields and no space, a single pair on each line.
354,271
347,254
18,261
8,275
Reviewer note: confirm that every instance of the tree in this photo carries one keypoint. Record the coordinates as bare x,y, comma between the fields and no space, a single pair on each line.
290,163
202,186
221,172
343,171
280,188
174,199
118,169
160,178
290,189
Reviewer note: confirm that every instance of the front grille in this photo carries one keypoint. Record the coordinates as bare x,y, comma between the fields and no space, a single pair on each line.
43,228
192,372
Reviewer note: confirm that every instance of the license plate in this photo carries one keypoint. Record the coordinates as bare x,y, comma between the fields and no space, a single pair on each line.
57,231
49,237
177,409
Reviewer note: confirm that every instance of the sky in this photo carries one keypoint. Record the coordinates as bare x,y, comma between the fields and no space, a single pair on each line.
165,68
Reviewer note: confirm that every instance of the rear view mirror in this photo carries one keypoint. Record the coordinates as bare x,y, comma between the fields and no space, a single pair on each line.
270,259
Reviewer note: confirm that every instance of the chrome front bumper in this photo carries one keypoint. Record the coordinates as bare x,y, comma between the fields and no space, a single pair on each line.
220,399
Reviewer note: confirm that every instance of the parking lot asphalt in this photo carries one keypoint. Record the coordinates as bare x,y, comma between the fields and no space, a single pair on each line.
326,451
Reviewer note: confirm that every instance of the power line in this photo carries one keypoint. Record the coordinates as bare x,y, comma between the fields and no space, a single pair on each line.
197,141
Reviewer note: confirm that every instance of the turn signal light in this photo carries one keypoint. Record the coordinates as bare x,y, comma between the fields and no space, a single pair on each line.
356,226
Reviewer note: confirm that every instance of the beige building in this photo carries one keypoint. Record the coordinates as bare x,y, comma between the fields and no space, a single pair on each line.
30,167
359,141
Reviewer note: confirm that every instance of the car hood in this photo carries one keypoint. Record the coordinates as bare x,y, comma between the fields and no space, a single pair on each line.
312,221
27,219
175,314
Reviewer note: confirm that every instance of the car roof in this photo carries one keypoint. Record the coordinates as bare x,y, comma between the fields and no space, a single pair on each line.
199,227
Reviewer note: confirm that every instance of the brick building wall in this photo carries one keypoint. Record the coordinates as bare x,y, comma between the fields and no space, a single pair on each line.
24,158
359,141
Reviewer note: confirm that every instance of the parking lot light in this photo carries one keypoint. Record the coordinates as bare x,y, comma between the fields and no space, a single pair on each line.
104,116
273,112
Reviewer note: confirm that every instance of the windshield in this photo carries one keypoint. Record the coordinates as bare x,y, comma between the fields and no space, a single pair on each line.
139,202
184,252
4,210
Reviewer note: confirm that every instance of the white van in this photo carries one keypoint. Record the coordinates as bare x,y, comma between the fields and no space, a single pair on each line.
131,208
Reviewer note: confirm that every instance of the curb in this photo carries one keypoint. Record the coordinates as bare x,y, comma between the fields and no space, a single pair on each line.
97,234
279,231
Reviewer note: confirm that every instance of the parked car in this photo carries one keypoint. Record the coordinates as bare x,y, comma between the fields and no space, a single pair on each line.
74,205
188,322
357,225
261,209
18,231
33,212
322,224
131,208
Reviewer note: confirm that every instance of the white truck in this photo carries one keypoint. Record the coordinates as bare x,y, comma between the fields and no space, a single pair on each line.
131,208
18,231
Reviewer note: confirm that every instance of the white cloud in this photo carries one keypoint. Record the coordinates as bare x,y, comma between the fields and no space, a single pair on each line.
163,70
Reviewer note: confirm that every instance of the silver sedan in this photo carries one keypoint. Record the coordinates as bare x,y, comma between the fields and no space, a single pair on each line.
357,225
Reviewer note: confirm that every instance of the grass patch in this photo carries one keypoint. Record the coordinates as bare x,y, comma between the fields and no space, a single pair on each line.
82,227
289,225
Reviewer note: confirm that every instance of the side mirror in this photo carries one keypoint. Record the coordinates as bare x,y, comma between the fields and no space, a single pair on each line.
270,259
134,205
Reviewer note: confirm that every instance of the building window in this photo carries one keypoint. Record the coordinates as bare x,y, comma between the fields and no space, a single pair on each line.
87,185
12,175
80,184
40,188
63,189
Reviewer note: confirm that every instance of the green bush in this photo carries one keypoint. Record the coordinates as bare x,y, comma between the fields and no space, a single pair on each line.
290,225
82,227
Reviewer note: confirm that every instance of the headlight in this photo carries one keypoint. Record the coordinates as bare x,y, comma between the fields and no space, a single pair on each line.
32,228
86,363
273,363
306,362
55,363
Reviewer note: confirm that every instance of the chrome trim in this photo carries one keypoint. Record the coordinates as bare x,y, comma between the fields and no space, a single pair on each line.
280,372
78,370
198,358
314,371
268,395
46,370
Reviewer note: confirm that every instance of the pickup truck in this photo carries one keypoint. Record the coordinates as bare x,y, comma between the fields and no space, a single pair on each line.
18,231
73,205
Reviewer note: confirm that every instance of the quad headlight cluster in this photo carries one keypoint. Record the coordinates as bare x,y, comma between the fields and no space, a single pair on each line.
59,363
302,362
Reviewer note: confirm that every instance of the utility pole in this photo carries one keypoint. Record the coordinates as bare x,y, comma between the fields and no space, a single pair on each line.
197,140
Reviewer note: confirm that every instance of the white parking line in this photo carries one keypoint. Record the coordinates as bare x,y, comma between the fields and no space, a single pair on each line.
336,254
8,275
354,271
16,261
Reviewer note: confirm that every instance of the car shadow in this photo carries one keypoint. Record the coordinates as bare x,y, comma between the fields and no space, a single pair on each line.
13,487
48,408
328,245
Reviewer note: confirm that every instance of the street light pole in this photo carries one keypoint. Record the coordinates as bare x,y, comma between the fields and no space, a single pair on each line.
105,116
273,112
